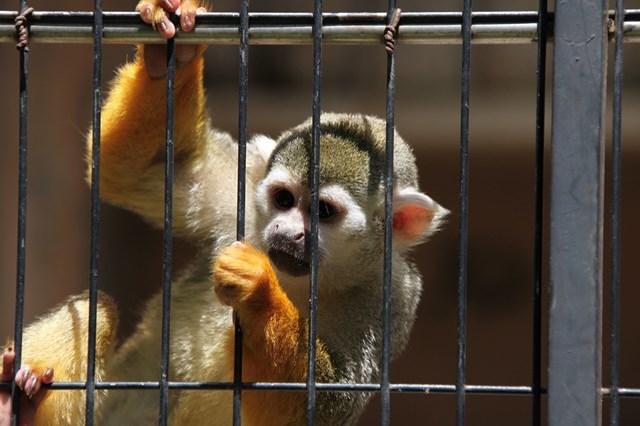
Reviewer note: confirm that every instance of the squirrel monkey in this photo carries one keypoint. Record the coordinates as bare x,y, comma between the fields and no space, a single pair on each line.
265,279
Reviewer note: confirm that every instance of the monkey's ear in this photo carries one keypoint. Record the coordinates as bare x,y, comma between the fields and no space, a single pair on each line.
259,150
415,217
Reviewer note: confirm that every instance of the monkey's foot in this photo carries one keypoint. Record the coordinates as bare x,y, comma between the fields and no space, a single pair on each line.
30,381
30,378
243,274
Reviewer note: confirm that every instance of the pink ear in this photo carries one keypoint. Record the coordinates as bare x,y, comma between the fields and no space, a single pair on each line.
415,216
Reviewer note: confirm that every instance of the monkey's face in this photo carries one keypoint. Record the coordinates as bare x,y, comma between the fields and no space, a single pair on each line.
284,220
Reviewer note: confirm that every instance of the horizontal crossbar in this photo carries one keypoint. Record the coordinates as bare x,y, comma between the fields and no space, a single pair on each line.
294,28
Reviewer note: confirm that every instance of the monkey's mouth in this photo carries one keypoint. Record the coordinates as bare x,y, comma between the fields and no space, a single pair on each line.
288,263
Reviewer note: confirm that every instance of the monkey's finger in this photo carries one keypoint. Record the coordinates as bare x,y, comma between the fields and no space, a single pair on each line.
158,17
47,376
7,365
170,5
185,54
146,12
165,26
32,385
188,11
22,376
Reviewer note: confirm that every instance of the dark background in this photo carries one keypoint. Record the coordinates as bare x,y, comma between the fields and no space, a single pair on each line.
501,198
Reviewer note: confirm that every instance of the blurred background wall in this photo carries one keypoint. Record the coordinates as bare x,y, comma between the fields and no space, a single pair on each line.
501,197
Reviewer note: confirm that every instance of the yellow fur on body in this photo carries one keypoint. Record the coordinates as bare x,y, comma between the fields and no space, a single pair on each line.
60,339
201,347
271,304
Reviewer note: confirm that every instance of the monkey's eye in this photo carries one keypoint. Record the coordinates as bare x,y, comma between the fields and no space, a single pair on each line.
326,210
284,199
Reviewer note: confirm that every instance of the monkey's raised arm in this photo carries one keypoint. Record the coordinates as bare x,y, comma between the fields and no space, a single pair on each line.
133,136
275,336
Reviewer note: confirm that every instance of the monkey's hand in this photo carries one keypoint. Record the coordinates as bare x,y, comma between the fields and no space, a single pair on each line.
243,277
156,13
275,337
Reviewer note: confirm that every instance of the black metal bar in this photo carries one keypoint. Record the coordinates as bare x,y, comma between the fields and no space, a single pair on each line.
315,200
95,213
240,218
385,392
463,224
22,225
536,378
616,165
242,116
577,200
167,235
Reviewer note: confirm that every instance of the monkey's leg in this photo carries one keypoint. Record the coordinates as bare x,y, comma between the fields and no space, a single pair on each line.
275,337
55,347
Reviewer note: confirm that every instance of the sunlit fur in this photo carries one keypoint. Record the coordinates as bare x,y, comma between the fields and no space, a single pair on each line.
272,306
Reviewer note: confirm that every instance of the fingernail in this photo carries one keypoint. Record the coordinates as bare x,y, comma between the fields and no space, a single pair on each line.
168,4
162,25
48,374
21,376
146,12
30,386
187,21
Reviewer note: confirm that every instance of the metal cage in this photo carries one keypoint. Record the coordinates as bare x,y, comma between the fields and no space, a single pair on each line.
575,391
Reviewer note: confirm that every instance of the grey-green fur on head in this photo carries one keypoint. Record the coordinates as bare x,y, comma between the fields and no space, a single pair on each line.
352,154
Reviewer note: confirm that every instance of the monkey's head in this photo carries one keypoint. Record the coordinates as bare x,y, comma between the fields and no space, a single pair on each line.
351,194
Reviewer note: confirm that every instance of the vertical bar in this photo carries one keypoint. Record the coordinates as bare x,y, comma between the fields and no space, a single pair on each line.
463,225
536,379
315,185
167,235
614,332
385,393
22,224
575,309
95,212
242,165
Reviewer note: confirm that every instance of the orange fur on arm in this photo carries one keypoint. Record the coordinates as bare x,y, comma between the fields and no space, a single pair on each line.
275,337
133,124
